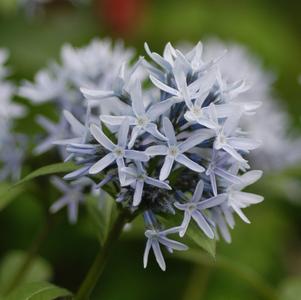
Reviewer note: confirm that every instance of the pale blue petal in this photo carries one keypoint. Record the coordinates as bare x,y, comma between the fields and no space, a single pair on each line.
166,168
202,223
138,192
136,155
102,164
101,137
156,150
184,160
169,131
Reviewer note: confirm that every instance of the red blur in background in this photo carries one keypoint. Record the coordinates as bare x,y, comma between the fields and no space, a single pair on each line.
122,17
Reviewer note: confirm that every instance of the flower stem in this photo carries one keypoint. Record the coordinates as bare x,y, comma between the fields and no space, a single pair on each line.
98,265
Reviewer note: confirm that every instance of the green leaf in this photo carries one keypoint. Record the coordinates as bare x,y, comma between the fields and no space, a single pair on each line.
48,170
194,235
12,263
102,213
5,197
39,291
290,289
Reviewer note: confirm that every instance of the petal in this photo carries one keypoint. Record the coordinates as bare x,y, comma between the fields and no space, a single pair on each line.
197,195
213,183
123,133
73,212
202,223
162,86
77,173
184,160
146,253
233,153
157,183
185,223
153,130
250,177
102,164
135,133
136,155
158,254
245,199
101,137
231,123
242,143
196,139
175,245
138,192
59,204
166,168
241,214
160,108
77,127
137,100
121,175
156,150
169,131
116,120
96,94
211,202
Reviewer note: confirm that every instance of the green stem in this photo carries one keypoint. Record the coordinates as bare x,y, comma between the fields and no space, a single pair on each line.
98,265
243,272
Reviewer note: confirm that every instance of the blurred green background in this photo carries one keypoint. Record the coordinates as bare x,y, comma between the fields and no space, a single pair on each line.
268,250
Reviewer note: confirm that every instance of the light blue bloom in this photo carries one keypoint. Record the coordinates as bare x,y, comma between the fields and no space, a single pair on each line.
117,153
174,150
236,199
73,196
154,239
137,177
195,207
142,120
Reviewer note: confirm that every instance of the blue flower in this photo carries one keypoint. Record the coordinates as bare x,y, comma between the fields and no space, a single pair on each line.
117,153
154,239
195,207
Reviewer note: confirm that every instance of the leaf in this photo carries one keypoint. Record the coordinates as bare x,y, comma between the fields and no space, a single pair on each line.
39,269
194,235
6,198
290,289
48,170
102,213
39,291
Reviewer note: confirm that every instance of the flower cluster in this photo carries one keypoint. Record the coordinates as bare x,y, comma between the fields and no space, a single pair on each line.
11,146
279,140
171,146
95,65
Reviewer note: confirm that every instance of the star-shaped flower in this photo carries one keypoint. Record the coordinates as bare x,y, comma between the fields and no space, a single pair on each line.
142,120
137,177
154,239
236,199
195,207
174,151
117,153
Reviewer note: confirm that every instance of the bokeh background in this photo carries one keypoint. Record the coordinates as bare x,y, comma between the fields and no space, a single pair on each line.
264,255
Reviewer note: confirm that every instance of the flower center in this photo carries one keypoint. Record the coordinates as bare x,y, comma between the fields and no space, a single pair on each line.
220,141
173,151
197,111
142,121
119,152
